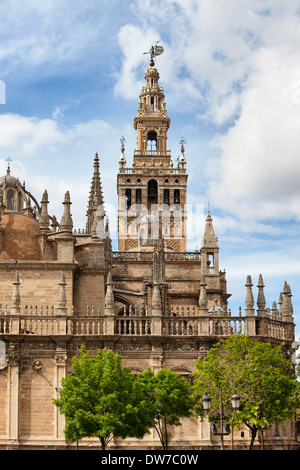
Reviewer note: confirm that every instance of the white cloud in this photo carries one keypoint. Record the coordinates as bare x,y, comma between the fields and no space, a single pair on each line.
257,172
50,155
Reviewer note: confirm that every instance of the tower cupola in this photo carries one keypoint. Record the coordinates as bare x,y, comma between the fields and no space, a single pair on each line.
152,193
151,122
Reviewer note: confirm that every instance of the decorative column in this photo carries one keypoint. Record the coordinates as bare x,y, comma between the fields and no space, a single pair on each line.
110,309
203,308
62,307
15,306
156,310
61,371
13,394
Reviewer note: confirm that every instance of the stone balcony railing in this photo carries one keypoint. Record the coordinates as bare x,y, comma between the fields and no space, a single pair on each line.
168,320
50,324
148,256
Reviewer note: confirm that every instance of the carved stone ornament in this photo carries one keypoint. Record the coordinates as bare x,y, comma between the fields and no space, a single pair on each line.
61,358
13,354
37,365
157,360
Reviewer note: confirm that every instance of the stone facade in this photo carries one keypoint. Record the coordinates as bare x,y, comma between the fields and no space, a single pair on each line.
152,301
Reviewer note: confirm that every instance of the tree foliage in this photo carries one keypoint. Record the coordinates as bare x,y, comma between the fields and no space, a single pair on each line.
101,399
257,372
168,400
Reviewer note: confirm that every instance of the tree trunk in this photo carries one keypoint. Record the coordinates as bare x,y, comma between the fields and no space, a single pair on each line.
165,434
103,443
253,436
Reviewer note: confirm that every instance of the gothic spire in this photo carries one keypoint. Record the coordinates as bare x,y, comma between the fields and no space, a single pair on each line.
96,196
249,301
44,217
261,301
66,223
209,239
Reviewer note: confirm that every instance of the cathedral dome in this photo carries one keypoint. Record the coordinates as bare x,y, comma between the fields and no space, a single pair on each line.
20,238
8,179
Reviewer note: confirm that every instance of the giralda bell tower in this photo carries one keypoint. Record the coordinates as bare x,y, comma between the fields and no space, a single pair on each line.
152,193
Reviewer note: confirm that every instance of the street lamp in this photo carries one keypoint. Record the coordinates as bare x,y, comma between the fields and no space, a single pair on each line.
235,402
206,402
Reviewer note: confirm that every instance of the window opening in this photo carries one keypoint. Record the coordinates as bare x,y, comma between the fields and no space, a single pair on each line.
151,141
176,196
152,193
128,198
166,197
138,196
10,200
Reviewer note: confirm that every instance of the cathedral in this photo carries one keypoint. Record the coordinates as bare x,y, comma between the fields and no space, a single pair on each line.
152,301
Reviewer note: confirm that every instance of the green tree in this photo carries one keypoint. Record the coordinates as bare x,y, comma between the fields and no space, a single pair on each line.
257,372
167,397
101,399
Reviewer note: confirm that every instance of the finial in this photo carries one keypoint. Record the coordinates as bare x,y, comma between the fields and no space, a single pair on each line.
66,223
154,52
109,296
123,141
8,160
261,302
182,161
286,307
249,295
44,218
182,142
122,161
62,297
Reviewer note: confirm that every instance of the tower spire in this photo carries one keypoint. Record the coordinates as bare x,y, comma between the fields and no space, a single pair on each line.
151,183
210,248
96,196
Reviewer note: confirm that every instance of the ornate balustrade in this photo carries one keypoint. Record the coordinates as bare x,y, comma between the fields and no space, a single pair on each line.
181,325
226,326
148,256
133,326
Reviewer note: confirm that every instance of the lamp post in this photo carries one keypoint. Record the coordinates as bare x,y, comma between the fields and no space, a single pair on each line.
235,403
206,402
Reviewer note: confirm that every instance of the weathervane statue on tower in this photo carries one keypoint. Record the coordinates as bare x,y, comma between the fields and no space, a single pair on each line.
154,52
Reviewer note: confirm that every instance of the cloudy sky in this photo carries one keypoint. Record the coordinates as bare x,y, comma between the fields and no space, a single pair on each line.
71,72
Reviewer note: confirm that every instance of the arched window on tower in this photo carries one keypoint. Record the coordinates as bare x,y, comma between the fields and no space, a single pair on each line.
152,141
167,197
138,196
176,196
152,193
128,198
10,200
